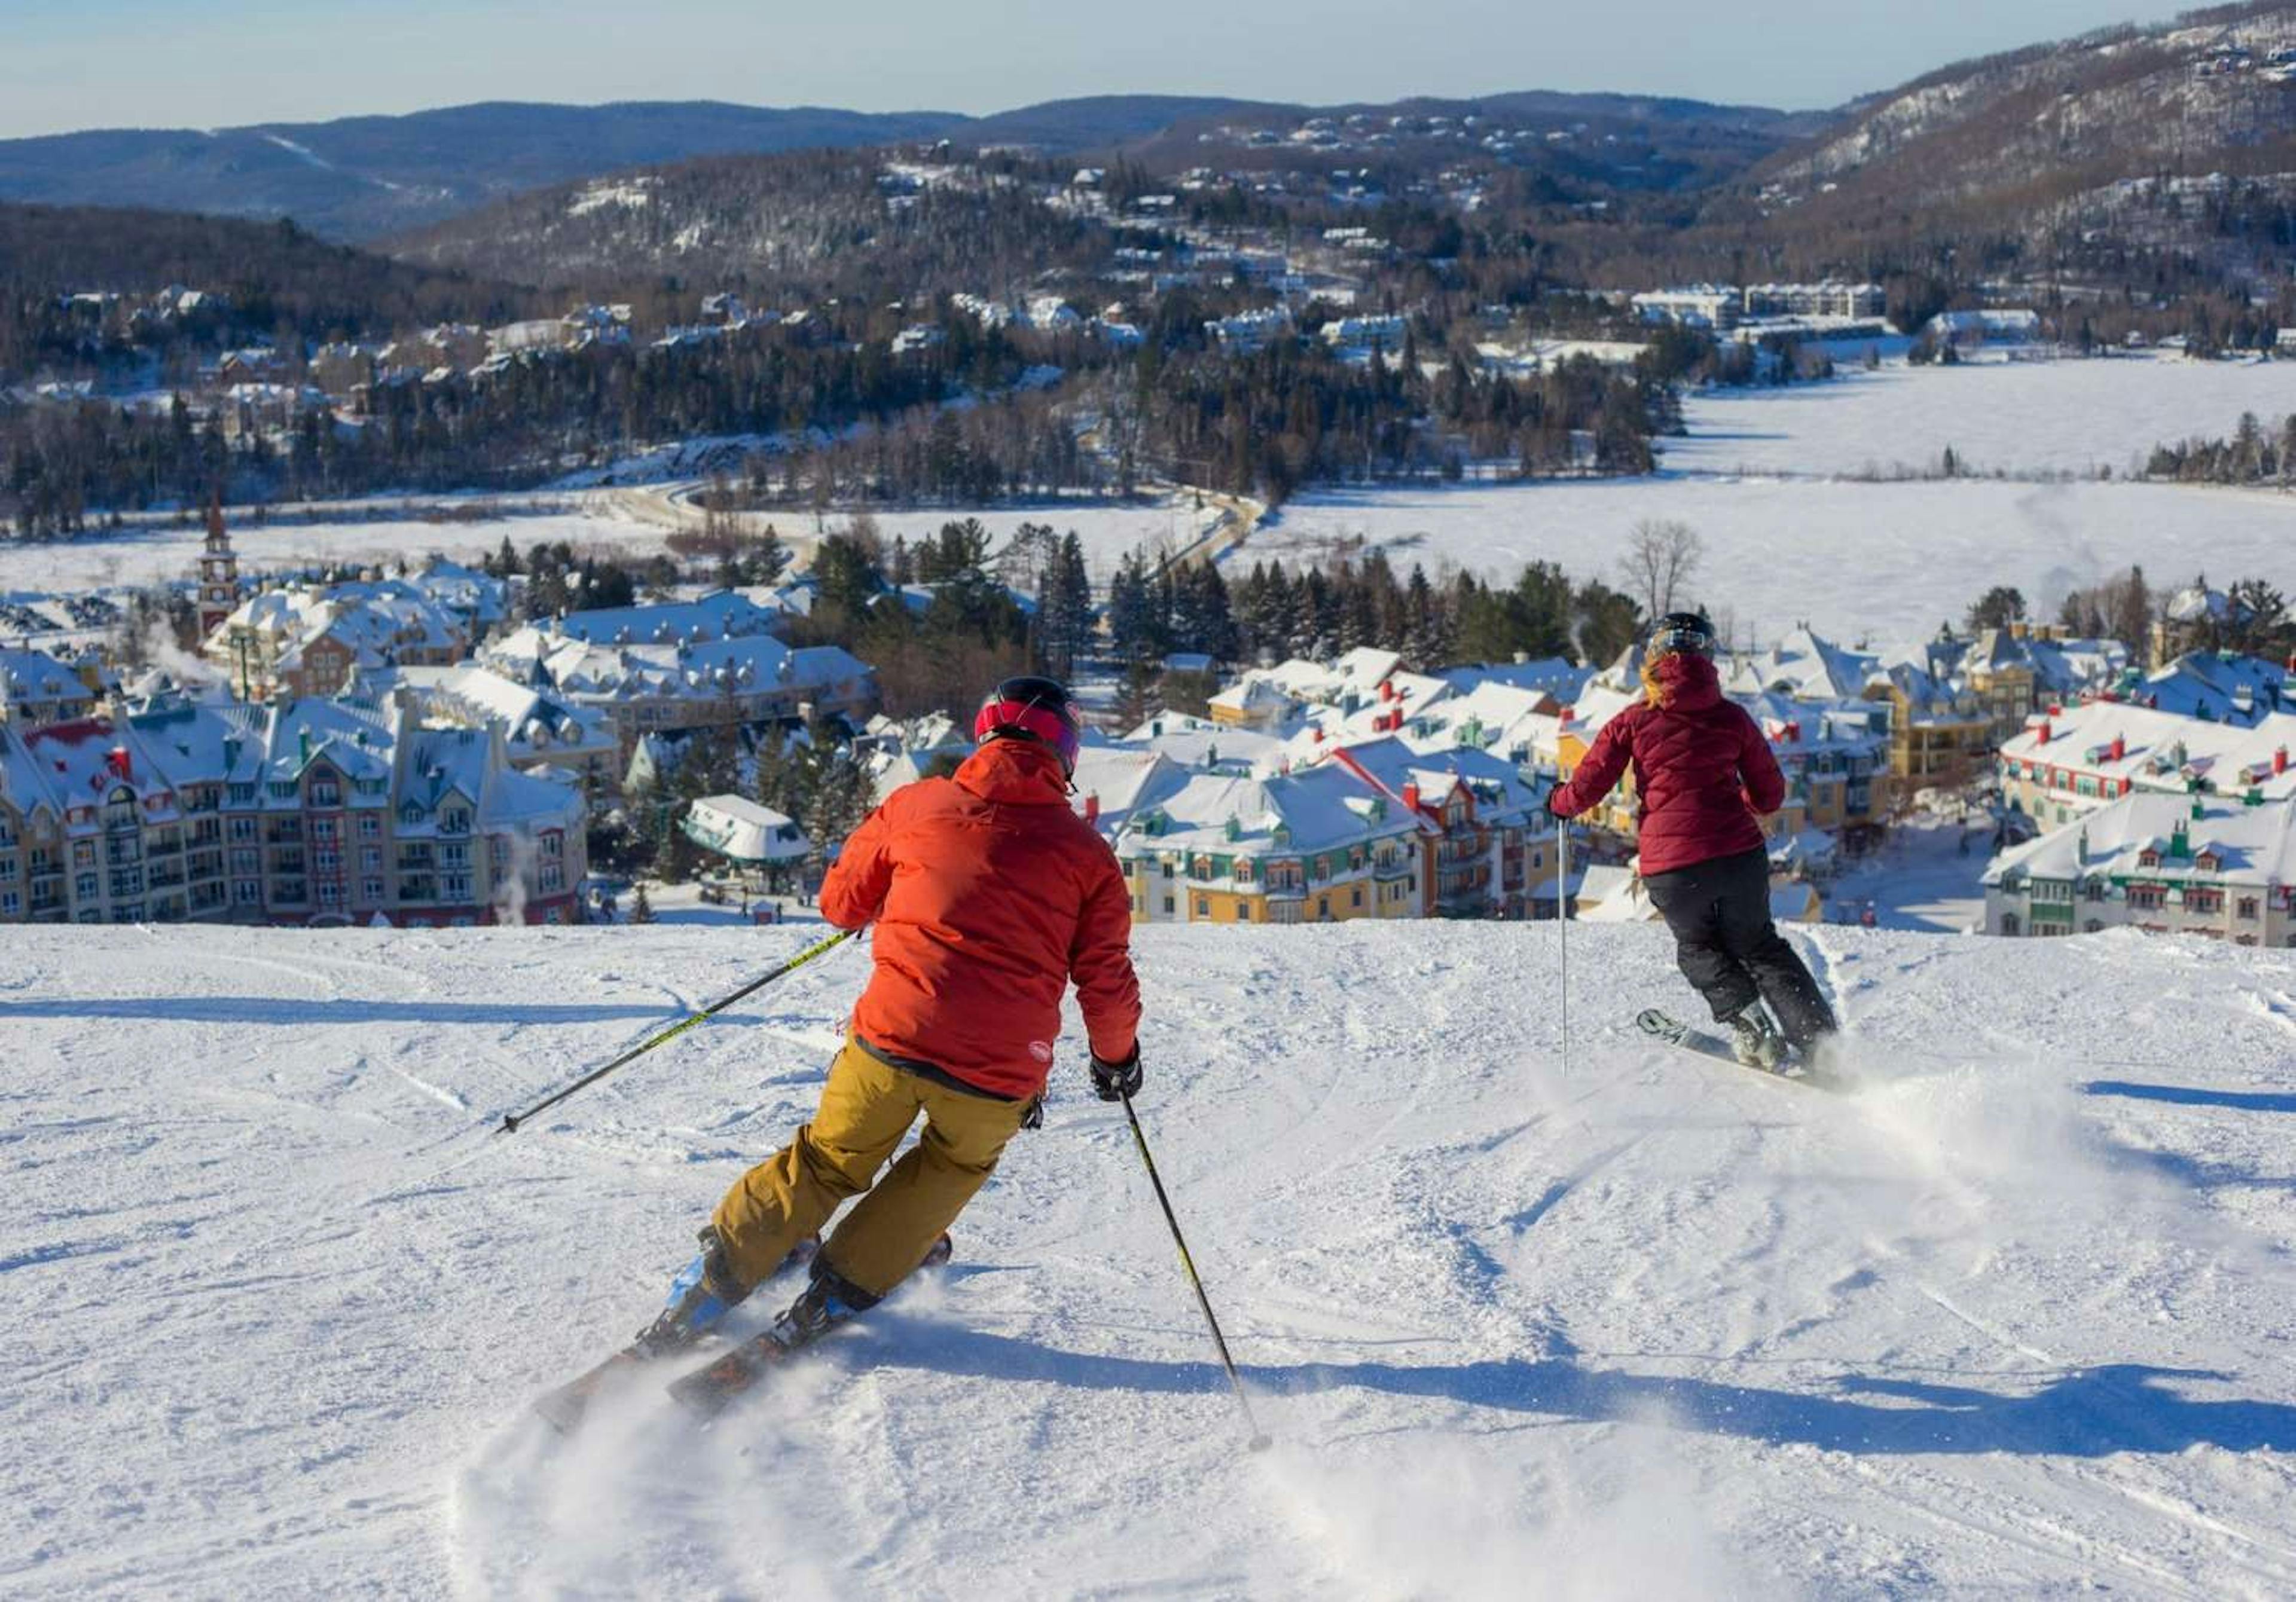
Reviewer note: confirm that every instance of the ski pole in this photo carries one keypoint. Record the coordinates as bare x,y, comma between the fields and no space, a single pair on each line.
510,1121
1259,1443
1563,929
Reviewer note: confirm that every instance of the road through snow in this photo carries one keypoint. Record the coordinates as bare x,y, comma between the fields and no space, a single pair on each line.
2014,1317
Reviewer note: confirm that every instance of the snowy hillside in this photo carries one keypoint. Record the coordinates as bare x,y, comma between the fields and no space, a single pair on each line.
2015,1318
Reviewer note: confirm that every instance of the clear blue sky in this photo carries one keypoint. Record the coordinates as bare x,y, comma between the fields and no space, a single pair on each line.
70,64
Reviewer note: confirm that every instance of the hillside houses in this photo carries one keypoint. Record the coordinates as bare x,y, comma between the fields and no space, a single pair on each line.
2073,760
310,640
36,688
675,686
301,811
2163,864
1374,830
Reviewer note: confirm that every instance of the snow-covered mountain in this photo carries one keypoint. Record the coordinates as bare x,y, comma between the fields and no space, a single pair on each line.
2087,133
2014,1317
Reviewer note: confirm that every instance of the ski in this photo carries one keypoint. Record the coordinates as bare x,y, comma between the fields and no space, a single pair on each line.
1658,1026
709,1390
564,1406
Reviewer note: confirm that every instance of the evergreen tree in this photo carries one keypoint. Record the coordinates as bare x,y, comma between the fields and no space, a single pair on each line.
641,906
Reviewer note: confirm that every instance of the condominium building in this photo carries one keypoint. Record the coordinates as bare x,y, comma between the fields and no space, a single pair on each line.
303,812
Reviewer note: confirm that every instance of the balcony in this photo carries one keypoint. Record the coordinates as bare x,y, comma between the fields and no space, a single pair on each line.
164,847
165,878
284,834
290,893
417,892
287,862
415,862
1388,869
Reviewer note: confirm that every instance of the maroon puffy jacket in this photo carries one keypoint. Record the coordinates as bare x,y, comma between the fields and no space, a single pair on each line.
1699,761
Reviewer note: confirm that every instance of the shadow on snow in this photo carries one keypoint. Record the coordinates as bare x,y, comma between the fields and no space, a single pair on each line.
2177,1095
281,1009
2089,1412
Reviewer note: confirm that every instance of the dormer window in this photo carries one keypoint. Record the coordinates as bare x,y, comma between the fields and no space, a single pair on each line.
2148,858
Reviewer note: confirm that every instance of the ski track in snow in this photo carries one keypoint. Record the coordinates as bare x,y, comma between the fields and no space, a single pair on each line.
2013,1317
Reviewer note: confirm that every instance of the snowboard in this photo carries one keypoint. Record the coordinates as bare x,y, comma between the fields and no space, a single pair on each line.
1655,1024
564,1407
709,1390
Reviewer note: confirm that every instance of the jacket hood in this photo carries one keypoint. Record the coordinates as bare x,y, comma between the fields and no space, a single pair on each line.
1018,772
1682,681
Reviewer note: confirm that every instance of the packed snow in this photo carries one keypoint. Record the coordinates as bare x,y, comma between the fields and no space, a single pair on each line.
2013,1318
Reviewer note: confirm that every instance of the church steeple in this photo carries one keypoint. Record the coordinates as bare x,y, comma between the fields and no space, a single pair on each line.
219,573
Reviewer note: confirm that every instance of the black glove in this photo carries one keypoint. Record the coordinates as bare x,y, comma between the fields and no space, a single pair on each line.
1116,1080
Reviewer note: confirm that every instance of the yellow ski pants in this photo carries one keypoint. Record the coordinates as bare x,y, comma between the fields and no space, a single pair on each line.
866,1106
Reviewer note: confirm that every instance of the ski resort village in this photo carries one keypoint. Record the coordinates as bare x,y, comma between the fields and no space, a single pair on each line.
1324,836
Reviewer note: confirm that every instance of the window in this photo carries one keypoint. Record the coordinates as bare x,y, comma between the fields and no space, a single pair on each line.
330,861
243,828
553,845
11,903
1168,911
247,893
370,826
371,858
326,792
1355,896
554,876
369,890
7,870
323,830
84,886
246,860
1203,907
457,887
455,855
2247,907
83,853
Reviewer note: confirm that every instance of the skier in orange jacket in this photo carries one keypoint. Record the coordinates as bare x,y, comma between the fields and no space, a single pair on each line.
989,896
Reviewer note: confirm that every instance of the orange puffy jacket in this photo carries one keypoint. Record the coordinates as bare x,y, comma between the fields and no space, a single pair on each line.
989,895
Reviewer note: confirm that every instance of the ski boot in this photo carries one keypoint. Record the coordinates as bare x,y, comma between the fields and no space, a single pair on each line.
829,1299
704,1293
1755,1041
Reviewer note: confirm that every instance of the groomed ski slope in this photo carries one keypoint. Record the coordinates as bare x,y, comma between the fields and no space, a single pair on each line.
2018,1318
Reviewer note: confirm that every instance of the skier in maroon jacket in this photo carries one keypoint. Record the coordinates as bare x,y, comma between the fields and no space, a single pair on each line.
1702,772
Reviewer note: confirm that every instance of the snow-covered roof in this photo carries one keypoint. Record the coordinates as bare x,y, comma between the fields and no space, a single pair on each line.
721,616
2250,846
2159,750
745,831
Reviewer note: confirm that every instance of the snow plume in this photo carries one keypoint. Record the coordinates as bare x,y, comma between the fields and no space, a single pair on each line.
637,1504
157,642
511,882
1468,1521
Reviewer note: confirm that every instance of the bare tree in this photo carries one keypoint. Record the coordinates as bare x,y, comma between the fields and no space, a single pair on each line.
1660,559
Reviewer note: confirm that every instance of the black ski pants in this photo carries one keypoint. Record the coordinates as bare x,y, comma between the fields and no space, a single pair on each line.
1719,911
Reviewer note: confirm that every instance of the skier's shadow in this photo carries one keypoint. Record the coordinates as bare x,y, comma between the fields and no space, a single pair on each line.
343,1009
2085,1413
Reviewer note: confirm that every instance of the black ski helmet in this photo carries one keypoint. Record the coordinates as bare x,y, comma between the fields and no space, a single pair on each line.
1685,631
1032,706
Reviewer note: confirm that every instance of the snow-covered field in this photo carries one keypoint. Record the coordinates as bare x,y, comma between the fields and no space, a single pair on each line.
166,554
2014,1320
1884,561
1770,479
2017,417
